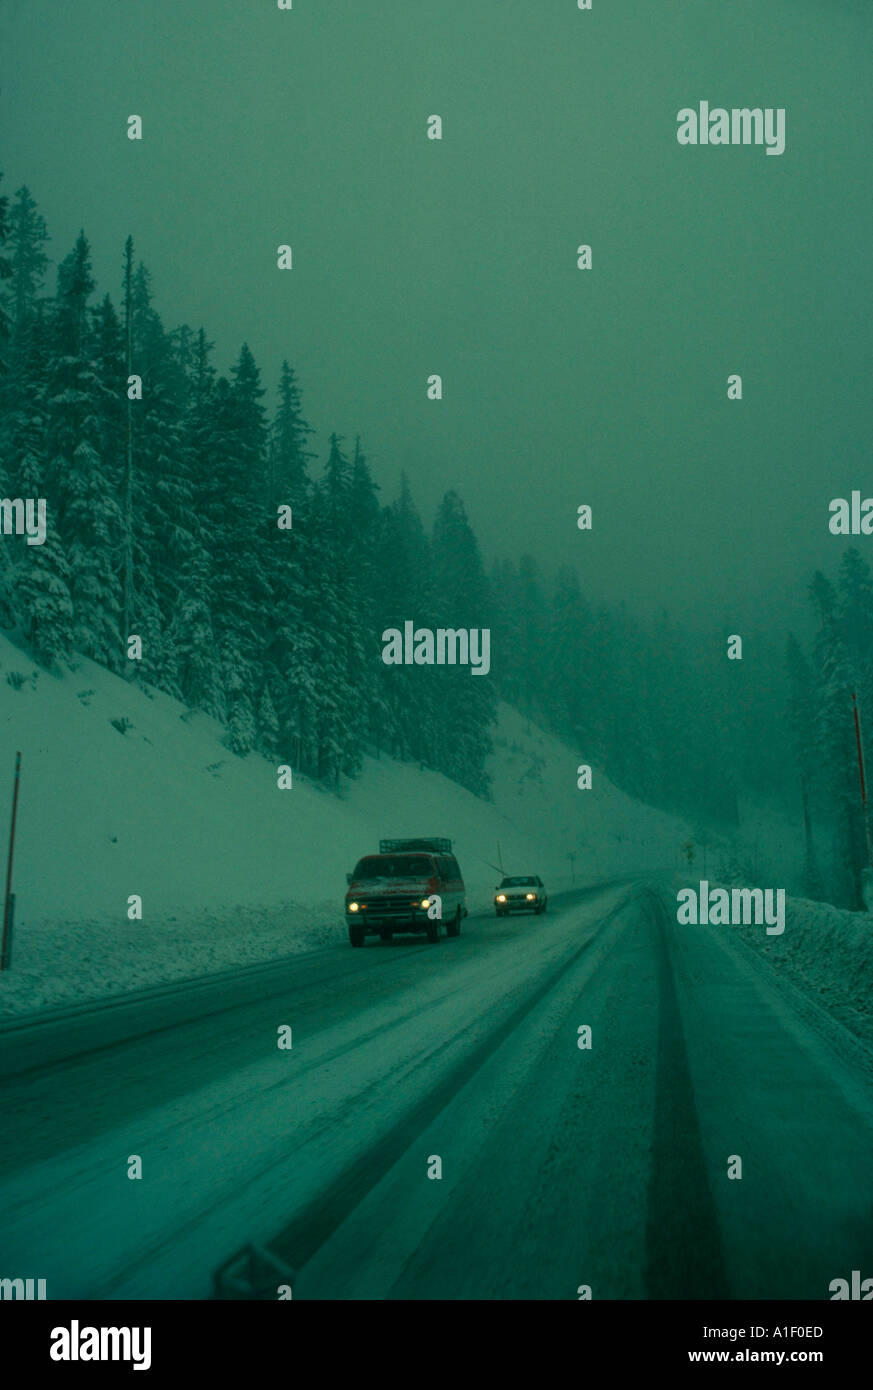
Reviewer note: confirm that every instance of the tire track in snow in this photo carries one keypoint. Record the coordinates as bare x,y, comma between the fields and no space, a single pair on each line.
298,1242
684,1254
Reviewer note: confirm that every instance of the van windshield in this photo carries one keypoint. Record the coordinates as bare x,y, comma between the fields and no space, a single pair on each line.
394,866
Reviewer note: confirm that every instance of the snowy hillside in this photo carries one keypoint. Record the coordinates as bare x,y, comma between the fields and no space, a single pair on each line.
124,792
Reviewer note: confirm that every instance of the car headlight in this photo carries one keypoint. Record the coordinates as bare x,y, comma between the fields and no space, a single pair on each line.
530,896
425,902
353,907
501,897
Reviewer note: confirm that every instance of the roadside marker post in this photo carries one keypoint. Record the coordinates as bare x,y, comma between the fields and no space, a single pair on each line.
863,782
9,903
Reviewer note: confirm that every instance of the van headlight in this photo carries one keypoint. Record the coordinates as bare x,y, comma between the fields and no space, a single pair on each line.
353,907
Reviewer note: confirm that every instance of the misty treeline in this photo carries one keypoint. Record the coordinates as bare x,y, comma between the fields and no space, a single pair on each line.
162,523
171,534
829,683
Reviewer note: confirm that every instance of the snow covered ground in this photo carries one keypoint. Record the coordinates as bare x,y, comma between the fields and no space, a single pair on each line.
828,953
560,1165
127,792
469,1050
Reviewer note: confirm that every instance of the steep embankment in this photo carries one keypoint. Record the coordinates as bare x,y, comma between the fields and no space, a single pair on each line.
126,792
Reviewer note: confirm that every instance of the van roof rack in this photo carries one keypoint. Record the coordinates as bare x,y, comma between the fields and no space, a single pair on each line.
435,844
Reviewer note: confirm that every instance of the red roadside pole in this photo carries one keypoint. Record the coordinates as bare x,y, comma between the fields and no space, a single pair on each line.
4,940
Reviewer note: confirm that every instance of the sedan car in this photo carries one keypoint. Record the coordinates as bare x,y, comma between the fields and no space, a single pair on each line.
520,893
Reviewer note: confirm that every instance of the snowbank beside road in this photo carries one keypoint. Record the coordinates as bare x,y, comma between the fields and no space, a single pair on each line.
828,953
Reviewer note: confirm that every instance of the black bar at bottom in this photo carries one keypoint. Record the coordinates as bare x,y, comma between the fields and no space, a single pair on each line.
249,1337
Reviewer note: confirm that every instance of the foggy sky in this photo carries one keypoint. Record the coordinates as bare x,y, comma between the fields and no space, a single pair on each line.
609,387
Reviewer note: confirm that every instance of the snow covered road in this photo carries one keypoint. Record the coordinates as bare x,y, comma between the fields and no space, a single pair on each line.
561,1167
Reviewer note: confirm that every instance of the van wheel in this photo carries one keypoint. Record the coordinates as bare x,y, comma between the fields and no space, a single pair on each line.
453,928
433,931
356,936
